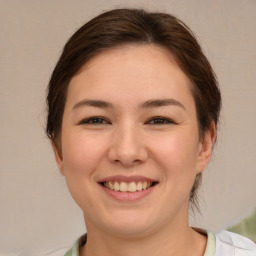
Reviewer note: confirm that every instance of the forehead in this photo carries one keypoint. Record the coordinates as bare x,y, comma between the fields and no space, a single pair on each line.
135,71
132,56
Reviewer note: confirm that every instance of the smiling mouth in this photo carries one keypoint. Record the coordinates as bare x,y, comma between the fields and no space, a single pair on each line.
128,187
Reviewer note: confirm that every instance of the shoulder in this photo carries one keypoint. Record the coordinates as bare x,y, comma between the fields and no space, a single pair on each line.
228,243
74,251
68,253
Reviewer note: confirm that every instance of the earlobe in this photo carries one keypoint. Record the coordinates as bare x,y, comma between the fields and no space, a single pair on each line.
206,146
58,157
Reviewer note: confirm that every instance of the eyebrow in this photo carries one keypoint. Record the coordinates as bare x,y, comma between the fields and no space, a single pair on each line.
146,104
161,103
93,103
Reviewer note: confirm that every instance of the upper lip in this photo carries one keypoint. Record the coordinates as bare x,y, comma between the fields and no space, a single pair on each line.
127,179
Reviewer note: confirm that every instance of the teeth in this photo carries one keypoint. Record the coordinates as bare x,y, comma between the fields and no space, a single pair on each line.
144,185
139,186
123,187
132,187
111,185
116,186
127,187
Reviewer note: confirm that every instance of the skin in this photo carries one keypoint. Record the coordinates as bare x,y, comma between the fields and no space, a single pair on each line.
129,140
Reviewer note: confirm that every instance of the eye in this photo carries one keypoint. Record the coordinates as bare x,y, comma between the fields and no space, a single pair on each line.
160,120
94,121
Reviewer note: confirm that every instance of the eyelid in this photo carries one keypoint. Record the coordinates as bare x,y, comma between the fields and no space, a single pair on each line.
164,119
100,120
87,120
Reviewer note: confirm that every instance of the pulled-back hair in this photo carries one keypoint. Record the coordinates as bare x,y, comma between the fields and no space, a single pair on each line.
136,26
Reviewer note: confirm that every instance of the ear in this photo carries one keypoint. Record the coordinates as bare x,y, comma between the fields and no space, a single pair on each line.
58,157
205,148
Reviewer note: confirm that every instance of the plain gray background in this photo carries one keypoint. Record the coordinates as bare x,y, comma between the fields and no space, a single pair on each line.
37,214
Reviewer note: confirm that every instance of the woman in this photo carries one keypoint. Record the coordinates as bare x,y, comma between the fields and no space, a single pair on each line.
133,111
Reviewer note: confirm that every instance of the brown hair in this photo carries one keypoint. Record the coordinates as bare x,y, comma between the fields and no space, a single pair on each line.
136,26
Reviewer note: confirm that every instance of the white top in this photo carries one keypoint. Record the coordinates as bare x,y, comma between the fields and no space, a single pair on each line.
232,244
223,243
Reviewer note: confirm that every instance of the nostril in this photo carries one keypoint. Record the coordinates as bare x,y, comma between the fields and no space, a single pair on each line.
127,151
127,162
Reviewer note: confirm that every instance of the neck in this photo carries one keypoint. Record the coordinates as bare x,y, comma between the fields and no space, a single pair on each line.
172,239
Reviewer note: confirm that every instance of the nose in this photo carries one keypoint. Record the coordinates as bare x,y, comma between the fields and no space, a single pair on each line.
127,147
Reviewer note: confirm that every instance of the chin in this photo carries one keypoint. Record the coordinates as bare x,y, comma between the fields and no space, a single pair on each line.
128,230
128,224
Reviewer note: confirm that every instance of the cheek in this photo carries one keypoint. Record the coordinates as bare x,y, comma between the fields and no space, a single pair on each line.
81,158
177,152
177,157
81,154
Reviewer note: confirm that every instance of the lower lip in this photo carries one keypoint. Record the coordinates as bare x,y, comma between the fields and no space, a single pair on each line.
128,196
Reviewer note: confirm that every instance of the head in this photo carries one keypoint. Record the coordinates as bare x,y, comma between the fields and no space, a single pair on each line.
123,27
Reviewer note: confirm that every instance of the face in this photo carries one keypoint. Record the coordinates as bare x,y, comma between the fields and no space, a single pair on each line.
130,147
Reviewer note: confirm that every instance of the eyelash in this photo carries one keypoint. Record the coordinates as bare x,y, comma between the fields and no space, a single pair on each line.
95,120
158,120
